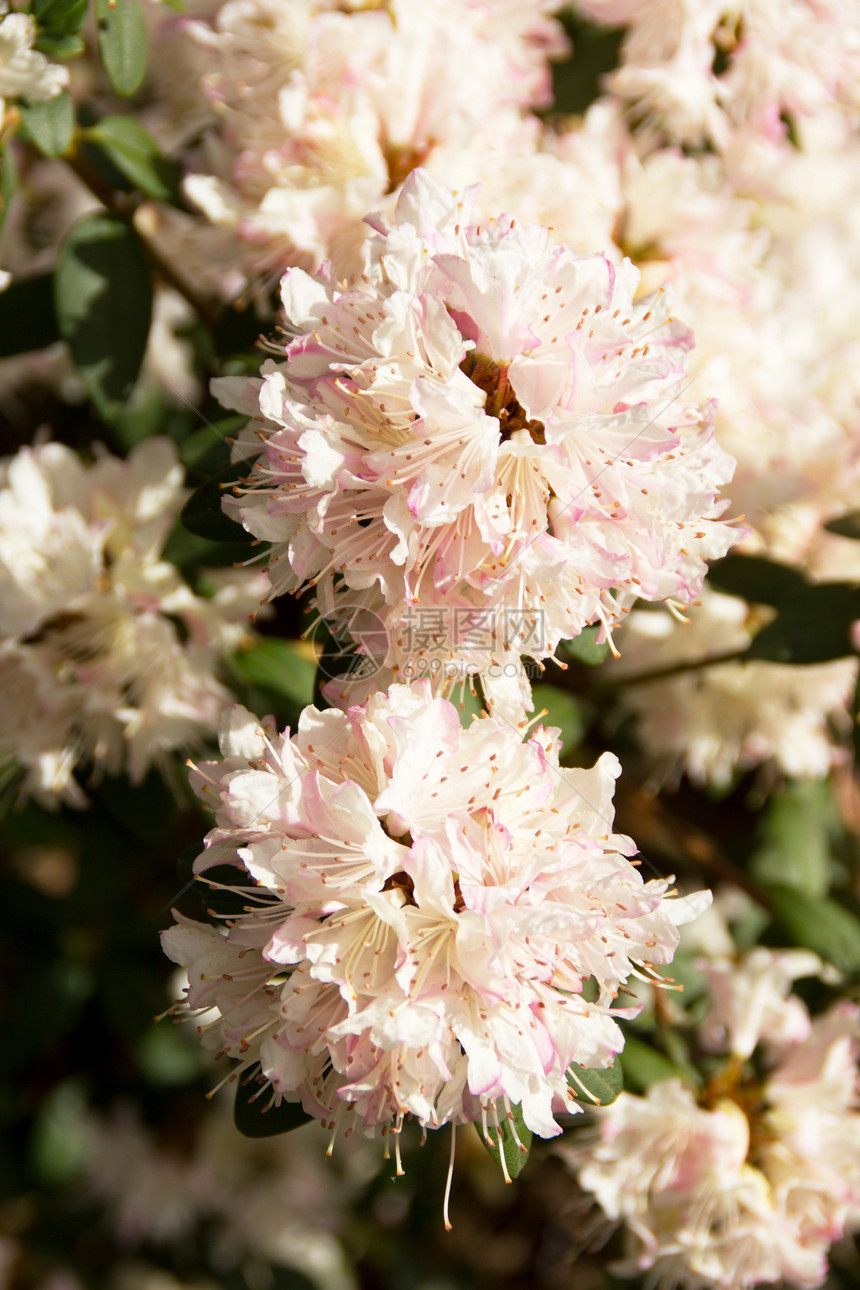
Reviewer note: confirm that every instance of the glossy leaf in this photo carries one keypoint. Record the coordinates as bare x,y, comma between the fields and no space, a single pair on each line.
795,850
49,124
123,43
585,649
8,181
846,525
643,1065
813,628
62,46
27,319
103,299
250,1113
278,665
515,1153
202,513
596,1087
60,17
764,582
818,923
134,152
564,711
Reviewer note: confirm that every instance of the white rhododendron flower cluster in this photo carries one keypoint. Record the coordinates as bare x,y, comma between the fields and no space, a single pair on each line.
693,71
321,109
24,72
495,325
480,444
95,670
750,1179
427,902
710,722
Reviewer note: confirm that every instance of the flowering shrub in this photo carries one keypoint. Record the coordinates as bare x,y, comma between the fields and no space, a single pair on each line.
370,373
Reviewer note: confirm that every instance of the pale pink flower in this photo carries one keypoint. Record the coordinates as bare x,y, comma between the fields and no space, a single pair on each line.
23,70
696,1214
425,904
797,57
480,441
96,670
751,1003
712,721
321,109
752,1177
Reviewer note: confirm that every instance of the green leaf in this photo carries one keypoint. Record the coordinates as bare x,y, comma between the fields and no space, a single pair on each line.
644,1065
596,51
60,17
468,705
596,1087
8,181
585,649
50,124
103,299
277,665
59,46
27,318
846,525
764,582
818,923
167,1056
58,1145
813,628
514,1154
251,1116
134,152
564,711
202,513
795,849
208,449
123,43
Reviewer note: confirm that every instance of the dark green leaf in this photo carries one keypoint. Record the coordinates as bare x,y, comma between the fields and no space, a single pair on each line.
514,1153
277,665
846,525
8,181
202,513
818,923
576,82
60,17
795,849
168,1055
123,43
103,299
66,46
813,628
596,1087
49,124
250,1113
644,1065
208,449
585,649
764,582
27,318
134,152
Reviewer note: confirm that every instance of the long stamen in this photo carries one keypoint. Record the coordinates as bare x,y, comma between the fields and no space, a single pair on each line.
445,1218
